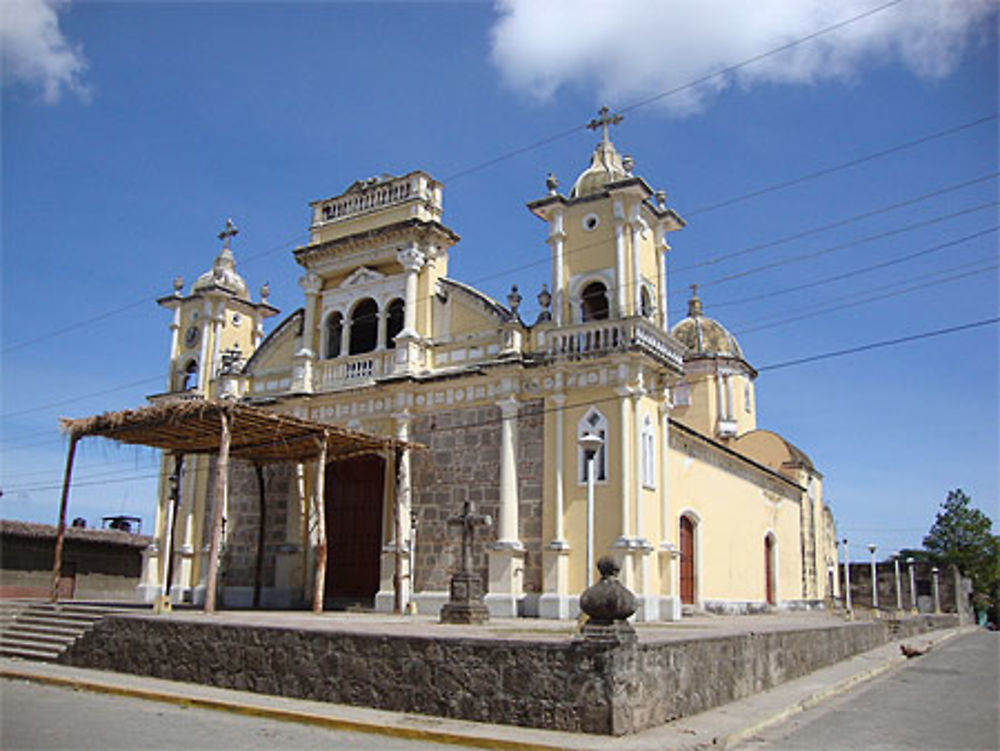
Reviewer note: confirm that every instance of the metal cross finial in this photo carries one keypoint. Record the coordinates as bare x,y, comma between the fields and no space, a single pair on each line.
694,290
602,122
231,230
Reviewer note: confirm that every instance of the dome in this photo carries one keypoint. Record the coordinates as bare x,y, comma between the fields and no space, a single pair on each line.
705,337
223,275
605,167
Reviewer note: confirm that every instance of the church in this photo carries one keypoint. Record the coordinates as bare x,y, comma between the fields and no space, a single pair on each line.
597,429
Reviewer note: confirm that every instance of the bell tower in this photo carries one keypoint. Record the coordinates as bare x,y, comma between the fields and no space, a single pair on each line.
216,327
608,239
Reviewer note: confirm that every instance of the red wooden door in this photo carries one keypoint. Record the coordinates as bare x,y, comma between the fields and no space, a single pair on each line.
687,561
354,528
769,569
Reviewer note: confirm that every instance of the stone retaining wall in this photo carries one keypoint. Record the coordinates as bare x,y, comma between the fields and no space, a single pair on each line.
571,685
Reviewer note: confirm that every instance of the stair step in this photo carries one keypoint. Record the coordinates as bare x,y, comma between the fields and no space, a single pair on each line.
37,628
53,620
28,653
7,642
20,635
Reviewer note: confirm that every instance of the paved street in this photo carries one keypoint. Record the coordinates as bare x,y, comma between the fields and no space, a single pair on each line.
34,716
947,699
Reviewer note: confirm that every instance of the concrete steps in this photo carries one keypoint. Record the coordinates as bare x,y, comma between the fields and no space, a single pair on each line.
39,630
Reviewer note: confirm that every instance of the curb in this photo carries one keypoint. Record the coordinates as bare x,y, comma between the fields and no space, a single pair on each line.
818,697
285,715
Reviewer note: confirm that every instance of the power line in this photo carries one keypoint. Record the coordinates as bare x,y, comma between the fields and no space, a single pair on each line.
71,400
839,223
849,244
856,272
813,313
880,344
843,165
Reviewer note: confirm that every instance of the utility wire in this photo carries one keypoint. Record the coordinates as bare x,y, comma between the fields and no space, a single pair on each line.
880,344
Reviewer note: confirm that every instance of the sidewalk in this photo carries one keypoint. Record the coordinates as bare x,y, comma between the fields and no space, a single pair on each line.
717,728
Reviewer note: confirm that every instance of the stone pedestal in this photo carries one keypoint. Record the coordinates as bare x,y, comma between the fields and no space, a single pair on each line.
608,606
466,601
506,576
554,602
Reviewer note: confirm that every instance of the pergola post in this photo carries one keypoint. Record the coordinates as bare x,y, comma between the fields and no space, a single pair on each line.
319,580
258,576
61,530
221,489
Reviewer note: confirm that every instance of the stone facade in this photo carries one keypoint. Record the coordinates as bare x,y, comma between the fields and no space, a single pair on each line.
570,685
461,463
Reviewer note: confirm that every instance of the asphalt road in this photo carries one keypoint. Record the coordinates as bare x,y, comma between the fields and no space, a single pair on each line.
946,699
36,716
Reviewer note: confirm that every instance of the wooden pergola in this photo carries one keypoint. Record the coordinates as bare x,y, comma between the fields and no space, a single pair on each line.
227,429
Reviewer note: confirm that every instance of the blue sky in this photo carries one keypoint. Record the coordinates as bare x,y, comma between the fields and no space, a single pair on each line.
129,139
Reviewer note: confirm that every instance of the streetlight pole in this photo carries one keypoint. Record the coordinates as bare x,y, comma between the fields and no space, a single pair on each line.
847,579
899,586
872,549
591,444
913,585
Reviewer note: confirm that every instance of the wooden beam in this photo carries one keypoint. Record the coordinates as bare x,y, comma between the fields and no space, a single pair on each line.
258,575
319,580
61,530
221,489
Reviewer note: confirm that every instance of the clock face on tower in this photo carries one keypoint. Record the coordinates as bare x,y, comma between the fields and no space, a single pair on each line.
191,336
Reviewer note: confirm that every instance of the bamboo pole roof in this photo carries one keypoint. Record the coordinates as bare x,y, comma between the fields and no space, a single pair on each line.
258,435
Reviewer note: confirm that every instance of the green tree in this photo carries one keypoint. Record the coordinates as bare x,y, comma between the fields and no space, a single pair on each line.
962,535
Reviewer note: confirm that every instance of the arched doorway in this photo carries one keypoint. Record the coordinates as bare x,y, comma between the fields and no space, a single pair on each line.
594,302
354,499
687,560
364,327
769,569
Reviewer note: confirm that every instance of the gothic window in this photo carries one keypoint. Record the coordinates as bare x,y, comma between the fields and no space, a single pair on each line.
189,378
593,422
334,335
594,302
394,324
648,439
364,327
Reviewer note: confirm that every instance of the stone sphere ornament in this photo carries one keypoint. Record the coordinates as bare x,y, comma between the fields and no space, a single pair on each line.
608,604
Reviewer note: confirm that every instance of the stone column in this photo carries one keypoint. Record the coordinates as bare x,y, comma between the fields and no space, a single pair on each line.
412,260
218,318
670,602
554,602
302,370
913,585
623,545
935,572
620,280
635,224
385,599
557,238
204,366
175,327
507,554
661,261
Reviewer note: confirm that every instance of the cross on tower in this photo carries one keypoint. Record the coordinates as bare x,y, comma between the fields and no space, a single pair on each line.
468,520
231,230
602,122
694,290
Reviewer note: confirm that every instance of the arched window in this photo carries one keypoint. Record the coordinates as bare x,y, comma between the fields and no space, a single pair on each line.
364,327
648,452
593,422
594,302
334,334
189,377
394,323
645,302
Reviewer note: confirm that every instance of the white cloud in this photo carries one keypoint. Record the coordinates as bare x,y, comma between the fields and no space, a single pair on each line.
628,50
35,52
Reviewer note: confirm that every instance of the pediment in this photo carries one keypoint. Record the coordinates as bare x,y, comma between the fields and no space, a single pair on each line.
361,277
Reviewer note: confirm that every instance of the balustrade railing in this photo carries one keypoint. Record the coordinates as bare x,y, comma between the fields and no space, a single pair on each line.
344,371
596,338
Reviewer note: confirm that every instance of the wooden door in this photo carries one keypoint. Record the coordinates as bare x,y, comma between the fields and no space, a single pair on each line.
354,529
769,569
687,561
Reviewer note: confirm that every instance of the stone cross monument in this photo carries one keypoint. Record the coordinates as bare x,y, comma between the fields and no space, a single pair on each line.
465,604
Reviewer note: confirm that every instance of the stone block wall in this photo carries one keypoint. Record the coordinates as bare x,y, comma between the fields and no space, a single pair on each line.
560,685
462,462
